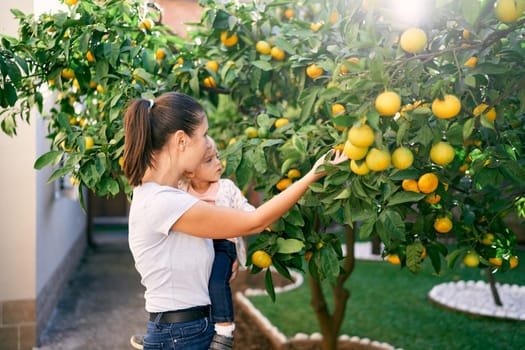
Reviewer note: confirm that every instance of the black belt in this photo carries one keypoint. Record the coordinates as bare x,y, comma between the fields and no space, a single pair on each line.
186,315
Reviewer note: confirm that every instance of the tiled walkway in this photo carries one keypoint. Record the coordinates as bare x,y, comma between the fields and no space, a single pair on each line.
103,303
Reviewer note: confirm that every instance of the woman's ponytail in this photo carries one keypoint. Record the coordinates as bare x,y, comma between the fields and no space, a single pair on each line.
137,146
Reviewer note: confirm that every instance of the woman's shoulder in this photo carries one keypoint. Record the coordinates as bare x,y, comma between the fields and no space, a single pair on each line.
152,189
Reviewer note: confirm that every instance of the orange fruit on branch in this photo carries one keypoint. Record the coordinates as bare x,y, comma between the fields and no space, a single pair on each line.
388,103
446,108
443,224
261,259
428,183
377,159
361,136
442,153
413,40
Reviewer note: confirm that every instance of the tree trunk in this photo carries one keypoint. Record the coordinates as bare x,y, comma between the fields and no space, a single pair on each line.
330,324
493,289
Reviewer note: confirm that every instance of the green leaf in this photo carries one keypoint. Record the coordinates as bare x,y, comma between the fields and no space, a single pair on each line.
268,282
468,128
289,246
51,157
393,223
405,197
263,65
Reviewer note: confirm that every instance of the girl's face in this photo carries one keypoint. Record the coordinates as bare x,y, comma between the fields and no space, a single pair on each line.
210,169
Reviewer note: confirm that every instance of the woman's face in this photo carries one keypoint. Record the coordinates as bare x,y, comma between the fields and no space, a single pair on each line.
198,146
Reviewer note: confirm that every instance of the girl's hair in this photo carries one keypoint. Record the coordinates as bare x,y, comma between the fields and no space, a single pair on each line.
149,123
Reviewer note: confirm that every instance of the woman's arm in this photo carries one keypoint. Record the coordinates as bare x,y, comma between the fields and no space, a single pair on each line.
205,220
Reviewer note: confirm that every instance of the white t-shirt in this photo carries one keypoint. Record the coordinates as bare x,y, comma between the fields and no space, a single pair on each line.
174,267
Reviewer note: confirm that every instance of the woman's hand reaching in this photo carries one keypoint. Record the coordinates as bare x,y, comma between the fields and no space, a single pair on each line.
333,157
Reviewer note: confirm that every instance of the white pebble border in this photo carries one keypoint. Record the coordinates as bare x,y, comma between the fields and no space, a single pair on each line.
475,297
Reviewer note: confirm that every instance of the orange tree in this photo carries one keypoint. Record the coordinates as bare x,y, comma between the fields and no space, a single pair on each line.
430,113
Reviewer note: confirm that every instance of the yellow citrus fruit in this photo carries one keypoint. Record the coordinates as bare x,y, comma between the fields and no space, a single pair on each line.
308,255
413,40
513,261
209,82
337,109
353,152
68,73
314,71
251,132
277,53
340,147
160,54
490,115
343,68
447,108
293,174
487,238
443,224
283,184
75,181
361,136
289,13
89,142
334,16
229,40
89,56
100,89
423,253
261,259
433,198
388,103
121,161
316,26
393,259
509,11
70,2
263,47
427,183
359,167
471,62
402,158
471,259
442,153
496,261
213,65
410,185
377,159
232,141
281,122
76,84
146,24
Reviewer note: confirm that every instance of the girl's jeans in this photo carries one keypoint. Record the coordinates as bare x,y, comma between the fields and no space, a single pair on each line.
219,285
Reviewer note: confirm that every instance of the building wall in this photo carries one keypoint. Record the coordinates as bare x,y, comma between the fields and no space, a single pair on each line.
42,235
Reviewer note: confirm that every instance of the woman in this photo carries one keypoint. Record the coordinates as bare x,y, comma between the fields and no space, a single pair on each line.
170,230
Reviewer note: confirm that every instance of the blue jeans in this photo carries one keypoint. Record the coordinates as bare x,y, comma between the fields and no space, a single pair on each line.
219,285
193,335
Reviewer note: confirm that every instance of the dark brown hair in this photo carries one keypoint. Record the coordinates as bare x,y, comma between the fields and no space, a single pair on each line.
148,124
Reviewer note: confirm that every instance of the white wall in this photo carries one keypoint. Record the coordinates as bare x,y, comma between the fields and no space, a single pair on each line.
36,230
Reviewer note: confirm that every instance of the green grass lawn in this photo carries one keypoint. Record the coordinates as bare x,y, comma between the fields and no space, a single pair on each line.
391,305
